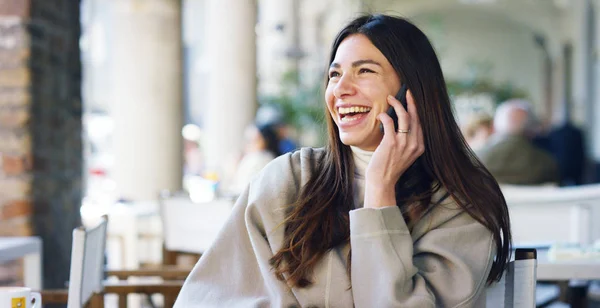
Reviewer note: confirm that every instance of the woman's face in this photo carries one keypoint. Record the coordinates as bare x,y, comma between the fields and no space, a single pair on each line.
360,79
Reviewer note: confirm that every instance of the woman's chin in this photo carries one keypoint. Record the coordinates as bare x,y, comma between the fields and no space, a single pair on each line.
359,141
352,141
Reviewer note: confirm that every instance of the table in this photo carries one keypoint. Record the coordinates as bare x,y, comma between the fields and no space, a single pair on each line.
580,271
30,249
584,269
577,269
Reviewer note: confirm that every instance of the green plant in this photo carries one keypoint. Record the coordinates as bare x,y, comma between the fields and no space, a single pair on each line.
301,106
501,92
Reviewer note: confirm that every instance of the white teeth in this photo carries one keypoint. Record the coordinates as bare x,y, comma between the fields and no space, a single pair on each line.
349,119
355,109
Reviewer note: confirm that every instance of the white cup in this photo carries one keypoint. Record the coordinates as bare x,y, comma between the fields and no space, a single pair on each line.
19,297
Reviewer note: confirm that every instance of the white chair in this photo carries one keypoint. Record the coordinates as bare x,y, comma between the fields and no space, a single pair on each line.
87,285
87,264
547,215
517,287
87,270
190,227
541,214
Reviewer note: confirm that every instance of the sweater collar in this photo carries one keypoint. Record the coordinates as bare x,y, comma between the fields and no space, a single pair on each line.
361,160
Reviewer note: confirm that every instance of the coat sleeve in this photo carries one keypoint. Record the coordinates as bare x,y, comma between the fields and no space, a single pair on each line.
445,263
235,270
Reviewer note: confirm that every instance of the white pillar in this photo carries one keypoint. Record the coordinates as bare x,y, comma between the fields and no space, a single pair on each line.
581,61
558,81
594,84
344,11
232,80
277,36
146,97
195,42
313,16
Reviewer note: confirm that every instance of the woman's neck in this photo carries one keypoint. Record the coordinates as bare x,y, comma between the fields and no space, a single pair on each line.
361,160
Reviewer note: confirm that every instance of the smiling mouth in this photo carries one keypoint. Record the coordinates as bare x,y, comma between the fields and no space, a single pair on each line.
349,114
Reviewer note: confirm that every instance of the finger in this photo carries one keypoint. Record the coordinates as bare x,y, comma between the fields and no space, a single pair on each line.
419,140
388,125
403,117
412,111
415,121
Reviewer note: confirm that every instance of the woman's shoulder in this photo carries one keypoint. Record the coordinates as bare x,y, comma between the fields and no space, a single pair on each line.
282,178
297,163
444,211
260,155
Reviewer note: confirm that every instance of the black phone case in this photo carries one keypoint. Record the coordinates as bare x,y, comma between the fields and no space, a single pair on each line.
400,96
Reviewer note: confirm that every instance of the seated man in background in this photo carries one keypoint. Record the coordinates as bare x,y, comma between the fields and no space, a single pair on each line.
510,155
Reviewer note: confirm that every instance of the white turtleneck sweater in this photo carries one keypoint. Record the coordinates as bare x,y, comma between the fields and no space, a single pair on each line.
361,161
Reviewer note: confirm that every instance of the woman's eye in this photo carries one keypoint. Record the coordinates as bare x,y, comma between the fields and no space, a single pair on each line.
365,70
333,74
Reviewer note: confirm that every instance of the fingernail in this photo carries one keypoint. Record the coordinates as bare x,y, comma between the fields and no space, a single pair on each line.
390,97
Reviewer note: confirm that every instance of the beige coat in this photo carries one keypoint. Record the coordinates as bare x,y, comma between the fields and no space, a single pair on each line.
444,261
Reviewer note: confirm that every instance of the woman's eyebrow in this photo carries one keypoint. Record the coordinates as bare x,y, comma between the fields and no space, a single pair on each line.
357,63
367,61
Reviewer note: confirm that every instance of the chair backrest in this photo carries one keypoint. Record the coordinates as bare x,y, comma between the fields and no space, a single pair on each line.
517,286
87,263
542,214
191,227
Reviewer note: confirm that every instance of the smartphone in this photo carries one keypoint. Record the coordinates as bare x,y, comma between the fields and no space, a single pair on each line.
401,97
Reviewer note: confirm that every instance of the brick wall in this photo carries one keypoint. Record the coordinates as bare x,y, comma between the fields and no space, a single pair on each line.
40,127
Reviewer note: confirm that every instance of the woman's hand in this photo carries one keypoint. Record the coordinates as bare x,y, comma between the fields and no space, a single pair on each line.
397,151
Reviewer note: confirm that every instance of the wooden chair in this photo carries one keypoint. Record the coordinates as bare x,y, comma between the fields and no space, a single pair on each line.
87,286
189,228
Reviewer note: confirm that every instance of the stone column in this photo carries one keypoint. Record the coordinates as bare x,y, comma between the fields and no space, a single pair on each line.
232,78
553,77
559,76
146,97
40,127
278,43
593,83
582,94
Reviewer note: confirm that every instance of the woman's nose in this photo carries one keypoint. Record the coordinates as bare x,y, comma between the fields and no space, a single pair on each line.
344,87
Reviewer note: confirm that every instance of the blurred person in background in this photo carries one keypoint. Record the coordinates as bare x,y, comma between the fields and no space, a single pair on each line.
478,130
262,146
193,156
271,116
381,216
286,143
510,155
567,145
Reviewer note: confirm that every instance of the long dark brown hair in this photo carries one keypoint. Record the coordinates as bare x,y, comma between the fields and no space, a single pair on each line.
319,219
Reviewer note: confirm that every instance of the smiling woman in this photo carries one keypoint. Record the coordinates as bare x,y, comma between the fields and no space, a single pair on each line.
403,218
360,77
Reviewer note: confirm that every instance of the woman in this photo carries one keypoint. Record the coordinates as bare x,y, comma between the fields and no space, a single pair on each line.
262,146
426,223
